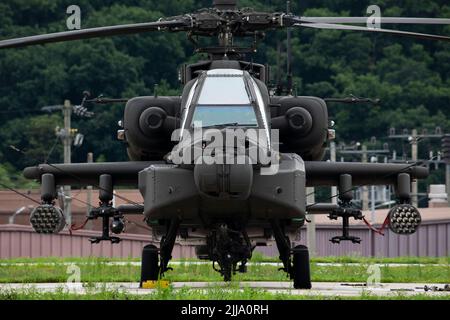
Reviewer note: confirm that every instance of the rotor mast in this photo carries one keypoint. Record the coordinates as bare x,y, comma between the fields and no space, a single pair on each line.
289,52
225,4
226,36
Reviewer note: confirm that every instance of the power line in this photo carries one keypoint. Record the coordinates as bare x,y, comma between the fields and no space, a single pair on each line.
79,179
414,138
367,184
72,226
20,111
19,193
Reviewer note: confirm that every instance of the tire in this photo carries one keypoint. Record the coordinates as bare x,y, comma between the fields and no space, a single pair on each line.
301,272
227,275
149,264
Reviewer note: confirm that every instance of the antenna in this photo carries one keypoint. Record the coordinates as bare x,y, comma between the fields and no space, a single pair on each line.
289,52
279,72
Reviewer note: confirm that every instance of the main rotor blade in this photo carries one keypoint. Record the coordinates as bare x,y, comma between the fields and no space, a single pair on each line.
375,30
92,33
386,20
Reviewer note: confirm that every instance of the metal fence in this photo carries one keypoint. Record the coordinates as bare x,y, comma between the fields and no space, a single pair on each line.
432,239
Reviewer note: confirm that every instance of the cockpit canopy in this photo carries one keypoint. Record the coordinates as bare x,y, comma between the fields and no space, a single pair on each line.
225,98
229,105
224,87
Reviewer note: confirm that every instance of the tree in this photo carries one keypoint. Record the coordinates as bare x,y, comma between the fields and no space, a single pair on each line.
411,77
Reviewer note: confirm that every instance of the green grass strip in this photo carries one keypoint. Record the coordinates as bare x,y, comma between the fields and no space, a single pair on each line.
100,272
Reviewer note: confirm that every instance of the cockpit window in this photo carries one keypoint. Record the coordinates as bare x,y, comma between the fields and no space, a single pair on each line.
224,100
231,115
224,90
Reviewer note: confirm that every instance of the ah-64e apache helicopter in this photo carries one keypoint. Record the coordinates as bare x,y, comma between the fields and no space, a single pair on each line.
226,208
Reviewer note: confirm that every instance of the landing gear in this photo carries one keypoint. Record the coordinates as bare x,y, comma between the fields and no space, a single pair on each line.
300,268
295,261
155,262
149,264
167,244
229,247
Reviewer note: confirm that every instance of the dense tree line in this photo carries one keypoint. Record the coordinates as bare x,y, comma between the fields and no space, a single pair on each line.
411,77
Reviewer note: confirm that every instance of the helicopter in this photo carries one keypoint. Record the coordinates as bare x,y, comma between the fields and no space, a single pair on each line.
225,166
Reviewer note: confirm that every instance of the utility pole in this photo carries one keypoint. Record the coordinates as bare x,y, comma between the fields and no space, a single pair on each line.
414,158
414,140
311,226
372,214
67,140
447,181
289,51
446,159
67,136
90,159
333,159
365,190
364,153
372,197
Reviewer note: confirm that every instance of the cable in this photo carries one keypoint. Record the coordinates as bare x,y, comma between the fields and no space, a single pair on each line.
20,111
51,150
386,220
77,178
137,225
79,200
73,227
365,185
383,226
70,228
19,193
39,203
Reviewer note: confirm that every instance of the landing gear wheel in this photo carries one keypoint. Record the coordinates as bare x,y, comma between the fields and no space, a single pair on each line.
149,265
300,268
226,272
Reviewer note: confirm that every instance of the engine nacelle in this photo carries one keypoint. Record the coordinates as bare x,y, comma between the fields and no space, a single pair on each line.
148,124
303,125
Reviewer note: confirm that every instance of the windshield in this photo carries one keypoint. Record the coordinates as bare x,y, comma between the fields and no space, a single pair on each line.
224,90
235,115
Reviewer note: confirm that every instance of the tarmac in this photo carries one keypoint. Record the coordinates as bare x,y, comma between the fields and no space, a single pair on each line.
318,288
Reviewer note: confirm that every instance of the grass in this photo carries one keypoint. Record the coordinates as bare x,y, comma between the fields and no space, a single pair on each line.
257,257
95,271
41,270
60,260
